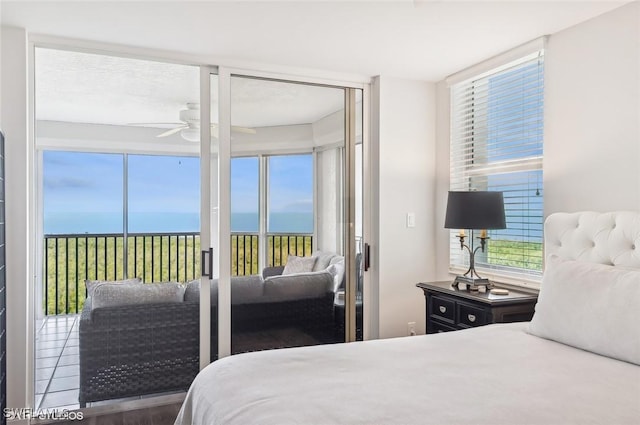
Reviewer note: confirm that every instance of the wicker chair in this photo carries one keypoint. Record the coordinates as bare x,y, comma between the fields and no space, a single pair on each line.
134,350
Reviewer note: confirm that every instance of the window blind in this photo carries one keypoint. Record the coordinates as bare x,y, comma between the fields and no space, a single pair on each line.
497,144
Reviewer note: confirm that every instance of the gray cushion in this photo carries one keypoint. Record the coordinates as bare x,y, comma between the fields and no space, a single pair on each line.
192,291
298,286
111,295
299,264
254,290
92,284
244,290
322,260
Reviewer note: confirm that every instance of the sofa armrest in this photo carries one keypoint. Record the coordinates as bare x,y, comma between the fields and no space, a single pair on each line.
85,314
272,271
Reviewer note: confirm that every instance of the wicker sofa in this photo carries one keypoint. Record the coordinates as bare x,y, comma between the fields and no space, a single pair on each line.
153,347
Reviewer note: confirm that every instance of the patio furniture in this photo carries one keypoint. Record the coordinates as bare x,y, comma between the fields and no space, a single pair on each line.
129,347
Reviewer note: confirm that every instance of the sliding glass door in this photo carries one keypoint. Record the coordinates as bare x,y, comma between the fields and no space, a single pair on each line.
187,213
116,316
292,270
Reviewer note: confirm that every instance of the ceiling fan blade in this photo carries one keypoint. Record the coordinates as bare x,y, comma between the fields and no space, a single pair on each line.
154,123
237,129
245,130
172,131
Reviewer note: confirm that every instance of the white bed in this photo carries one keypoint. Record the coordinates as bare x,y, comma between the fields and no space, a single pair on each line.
497,374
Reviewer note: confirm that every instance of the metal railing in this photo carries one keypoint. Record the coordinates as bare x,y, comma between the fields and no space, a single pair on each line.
70,260
245,251
279,247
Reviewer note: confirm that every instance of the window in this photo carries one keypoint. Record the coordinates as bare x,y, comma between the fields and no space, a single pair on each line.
82,192
245,195
497,144
84,208
290,192
163,194
284,183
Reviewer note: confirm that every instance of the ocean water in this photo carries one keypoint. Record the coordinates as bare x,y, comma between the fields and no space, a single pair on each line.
105,222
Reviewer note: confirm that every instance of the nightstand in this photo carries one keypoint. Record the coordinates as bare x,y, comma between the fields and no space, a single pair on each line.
451,309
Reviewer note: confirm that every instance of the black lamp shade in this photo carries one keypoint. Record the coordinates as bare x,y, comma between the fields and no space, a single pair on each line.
475,210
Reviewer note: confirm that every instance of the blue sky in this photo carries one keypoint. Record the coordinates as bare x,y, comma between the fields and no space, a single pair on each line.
83,192
290,184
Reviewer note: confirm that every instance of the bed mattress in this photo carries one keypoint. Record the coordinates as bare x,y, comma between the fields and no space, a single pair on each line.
497,374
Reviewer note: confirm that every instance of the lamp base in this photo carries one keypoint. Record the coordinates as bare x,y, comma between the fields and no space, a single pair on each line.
471,283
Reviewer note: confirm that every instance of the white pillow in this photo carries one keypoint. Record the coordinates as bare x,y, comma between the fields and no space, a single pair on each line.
337,272
298,265
590,306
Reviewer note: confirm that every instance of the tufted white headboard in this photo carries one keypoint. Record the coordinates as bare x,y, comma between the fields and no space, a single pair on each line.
611,238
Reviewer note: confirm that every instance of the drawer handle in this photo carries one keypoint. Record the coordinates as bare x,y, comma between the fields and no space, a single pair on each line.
442,309
471,317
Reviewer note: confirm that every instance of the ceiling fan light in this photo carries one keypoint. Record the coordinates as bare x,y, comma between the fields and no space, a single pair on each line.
191,134
192,113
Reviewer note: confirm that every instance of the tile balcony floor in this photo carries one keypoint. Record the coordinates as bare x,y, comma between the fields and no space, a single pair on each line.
58,364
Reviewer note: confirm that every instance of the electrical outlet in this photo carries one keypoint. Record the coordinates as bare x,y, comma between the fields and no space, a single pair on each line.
411,328
411,219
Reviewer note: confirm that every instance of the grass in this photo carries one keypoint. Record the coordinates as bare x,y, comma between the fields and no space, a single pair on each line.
526,255
153,259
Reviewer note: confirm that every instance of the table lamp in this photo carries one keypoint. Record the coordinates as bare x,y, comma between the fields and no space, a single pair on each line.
476,210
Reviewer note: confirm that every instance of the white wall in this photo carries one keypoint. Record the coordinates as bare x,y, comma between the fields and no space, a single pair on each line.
406,182
442,180
328,210
18,170
592,115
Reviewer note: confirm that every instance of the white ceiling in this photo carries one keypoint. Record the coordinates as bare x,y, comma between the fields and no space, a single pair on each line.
98,89
424,40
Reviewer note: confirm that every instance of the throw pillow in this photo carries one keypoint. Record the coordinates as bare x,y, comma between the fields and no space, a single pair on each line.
590,306
322,260
92,284
298,265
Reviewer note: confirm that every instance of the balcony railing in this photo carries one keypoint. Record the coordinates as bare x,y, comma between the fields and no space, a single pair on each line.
69,260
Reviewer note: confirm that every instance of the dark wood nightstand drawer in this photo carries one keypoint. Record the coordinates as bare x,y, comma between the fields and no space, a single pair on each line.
443,308
471,316
437,327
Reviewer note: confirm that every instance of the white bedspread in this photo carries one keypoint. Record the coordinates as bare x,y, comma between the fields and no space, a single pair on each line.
494,374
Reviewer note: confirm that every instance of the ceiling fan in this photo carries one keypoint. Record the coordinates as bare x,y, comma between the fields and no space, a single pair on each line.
189,125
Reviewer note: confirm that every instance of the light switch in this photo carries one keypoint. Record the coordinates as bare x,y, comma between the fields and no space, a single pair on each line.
411,219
